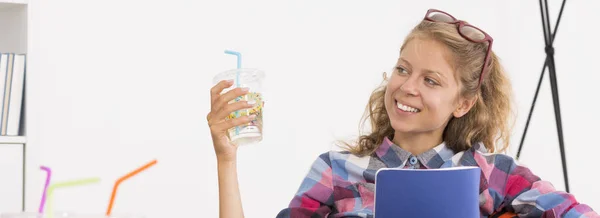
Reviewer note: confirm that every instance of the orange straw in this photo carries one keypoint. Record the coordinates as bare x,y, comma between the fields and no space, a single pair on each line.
120,180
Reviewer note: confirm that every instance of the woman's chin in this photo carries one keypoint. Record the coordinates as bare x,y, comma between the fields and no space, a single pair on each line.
402,126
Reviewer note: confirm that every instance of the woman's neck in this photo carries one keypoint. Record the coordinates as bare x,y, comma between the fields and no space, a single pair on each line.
417,143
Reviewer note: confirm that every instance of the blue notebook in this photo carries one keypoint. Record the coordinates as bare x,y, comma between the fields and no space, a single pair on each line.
447,192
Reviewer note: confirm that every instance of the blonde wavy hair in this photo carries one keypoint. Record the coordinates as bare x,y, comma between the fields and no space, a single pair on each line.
489,120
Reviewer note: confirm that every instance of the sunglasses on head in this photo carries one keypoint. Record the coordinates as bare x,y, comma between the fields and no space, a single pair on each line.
466,30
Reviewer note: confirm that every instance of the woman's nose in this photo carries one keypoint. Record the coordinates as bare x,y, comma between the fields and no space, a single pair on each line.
410,86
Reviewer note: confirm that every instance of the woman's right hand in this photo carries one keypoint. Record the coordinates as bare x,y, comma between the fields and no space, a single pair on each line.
220,109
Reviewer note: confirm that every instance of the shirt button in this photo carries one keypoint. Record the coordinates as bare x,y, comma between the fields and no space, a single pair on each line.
413,160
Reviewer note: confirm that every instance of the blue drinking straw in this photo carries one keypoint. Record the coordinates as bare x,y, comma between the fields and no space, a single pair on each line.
238,55
237,79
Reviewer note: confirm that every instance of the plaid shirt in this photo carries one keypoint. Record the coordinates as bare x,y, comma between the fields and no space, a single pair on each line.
340,184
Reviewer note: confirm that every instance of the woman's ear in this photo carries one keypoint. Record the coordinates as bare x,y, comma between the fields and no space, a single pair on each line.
464,105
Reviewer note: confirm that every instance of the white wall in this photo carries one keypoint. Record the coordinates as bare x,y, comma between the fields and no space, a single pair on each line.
114,84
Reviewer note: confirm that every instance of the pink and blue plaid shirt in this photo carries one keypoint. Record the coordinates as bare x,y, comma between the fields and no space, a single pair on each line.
340,184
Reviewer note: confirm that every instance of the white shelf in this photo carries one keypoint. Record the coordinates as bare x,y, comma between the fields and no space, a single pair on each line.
14,24
13,140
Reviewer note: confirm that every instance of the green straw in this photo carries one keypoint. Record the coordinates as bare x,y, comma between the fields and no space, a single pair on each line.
65,184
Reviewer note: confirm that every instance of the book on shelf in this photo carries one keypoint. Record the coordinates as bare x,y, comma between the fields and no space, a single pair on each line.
12,83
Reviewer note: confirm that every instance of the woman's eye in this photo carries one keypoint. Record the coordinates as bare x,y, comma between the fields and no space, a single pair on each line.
431,81
401,70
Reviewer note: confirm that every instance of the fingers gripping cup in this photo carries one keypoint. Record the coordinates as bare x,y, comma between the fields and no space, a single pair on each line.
253,80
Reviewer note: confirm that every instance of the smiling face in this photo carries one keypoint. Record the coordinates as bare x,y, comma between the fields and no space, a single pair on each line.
422,94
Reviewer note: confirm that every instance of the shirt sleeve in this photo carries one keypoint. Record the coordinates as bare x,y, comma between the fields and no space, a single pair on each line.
314,198
529,196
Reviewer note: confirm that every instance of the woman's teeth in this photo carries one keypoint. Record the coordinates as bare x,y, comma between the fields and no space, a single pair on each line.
407,108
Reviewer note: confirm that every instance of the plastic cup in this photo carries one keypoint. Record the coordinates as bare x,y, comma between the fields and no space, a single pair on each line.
253,79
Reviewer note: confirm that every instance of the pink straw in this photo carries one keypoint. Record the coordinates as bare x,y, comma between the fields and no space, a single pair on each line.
48,175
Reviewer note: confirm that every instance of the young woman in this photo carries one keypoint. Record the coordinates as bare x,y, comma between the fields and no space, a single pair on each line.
446,104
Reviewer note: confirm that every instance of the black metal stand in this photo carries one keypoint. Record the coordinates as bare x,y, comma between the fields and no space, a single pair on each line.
549,62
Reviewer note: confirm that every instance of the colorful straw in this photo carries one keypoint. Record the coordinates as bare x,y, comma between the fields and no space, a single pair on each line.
48,176
120,180
237,79
65,184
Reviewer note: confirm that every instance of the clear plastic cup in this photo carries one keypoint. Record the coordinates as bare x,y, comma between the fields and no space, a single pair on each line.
253,79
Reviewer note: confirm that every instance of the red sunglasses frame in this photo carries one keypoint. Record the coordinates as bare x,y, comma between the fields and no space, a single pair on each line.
460,24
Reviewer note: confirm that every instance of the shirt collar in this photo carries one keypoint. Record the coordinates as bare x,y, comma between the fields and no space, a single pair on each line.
395,157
